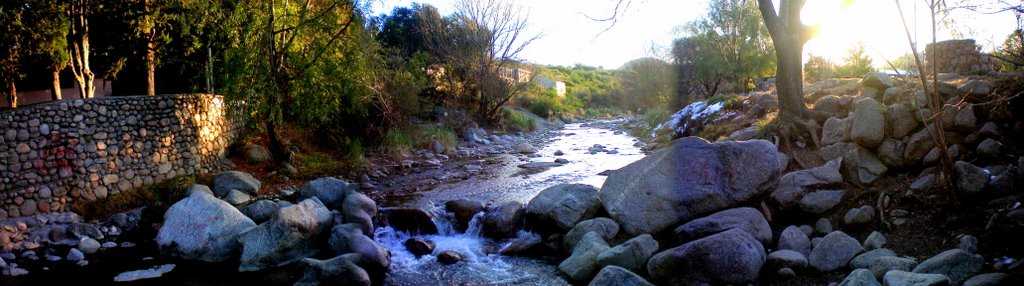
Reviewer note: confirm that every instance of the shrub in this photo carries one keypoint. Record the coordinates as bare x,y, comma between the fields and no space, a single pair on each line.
396,143
160,194
519,120
655,116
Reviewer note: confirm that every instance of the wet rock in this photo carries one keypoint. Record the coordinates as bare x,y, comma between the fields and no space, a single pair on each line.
834,251
559,153
875,240
564,205
527,243
862,215
869,123
13,271
746,219
75,255
903,278
235,180
786,258
606,227
340,270
525,148
261,211
970,179
449,257
504,220
631,255
349,238
990,148
539,165
287,237
155,272
793,238
884,264
694,177
821,201
330,191
990,279
562,161
419,246
411,220
793,186
256,153
582,264
89,245
83,230
956,264
359,209
464,210
730,257
201,227
617,276
860,277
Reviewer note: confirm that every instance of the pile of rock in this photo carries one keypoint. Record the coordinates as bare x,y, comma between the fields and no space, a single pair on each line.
56,237
204,227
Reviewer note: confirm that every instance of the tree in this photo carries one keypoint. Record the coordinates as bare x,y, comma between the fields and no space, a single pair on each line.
649,82
479,42
701,65
818,68
156,23
734,30
47,43
78,12
856,63
1012,51
789,36
11,30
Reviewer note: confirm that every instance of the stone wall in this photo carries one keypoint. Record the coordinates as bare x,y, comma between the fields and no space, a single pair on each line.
961,56
54,154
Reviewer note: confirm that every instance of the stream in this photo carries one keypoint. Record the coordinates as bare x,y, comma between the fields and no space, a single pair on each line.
481,265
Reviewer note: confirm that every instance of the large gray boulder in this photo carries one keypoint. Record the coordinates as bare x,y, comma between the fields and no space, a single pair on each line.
884,264
834,131
956,264
235,180
865,259
900,120
330,191
349,238
687,179
359,209
860,277
582,264
877,80
746,219
340,270
861,166
918,146
632,254
903,278
834,251
828,103
785,258
290,235
464,211
890,152
794,185
730,257
261,211
821,201
617,276
564,205
869,123
991,279
793,238
606,227
202,227
970,179
503,220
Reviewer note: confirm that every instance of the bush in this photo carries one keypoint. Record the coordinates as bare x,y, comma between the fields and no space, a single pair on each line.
519,120
160,194
396,143
657,115
426,134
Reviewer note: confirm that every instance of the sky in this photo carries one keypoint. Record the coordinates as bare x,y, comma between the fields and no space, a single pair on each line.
647,28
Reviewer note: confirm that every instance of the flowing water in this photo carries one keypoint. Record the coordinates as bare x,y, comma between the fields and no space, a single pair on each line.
481,264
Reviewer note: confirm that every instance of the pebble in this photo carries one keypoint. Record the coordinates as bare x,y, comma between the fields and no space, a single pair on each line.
109,244
75,255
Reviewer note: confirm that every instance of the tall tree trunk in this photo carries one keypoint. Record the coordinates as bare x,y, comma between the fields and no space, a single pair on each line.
789,81
273,106
12,95
55,92
150,70
79,13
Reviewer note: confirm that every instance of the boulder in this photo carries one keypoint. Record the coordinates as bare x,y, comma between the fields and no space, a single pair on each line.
202,227
603,226
90,246
631,255
564,205
237,198
793,238
861,166
877,80
340,270
525,148
890,152
330,191
864,260
359,209
884,264
965,119
504,220
235,180
786,258
823,226
975,89
834,251
900,121
875,240
918,146
412,220
464,210
893,95
830,104
257,154
821,201
261,211
794,185
527,243
582,264
746,219
869,124
870,92
970,179
989,148
860,277
288,236
956,264
349,238
730,257
687,179
449,257
990,279
903,278
418,246
862,215
617,276
834,131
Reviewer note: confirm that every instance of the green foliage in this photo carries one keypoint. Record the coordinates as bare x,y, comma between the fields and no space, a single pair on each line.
656,115
856,64
729,43
766,126
588,89
729,101
397,143
315,164
1012,51
649,82
512,117
818,68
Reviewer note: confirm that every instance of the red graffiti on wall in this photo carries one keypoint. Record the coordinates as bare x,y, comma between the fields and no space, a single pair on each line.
56,154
